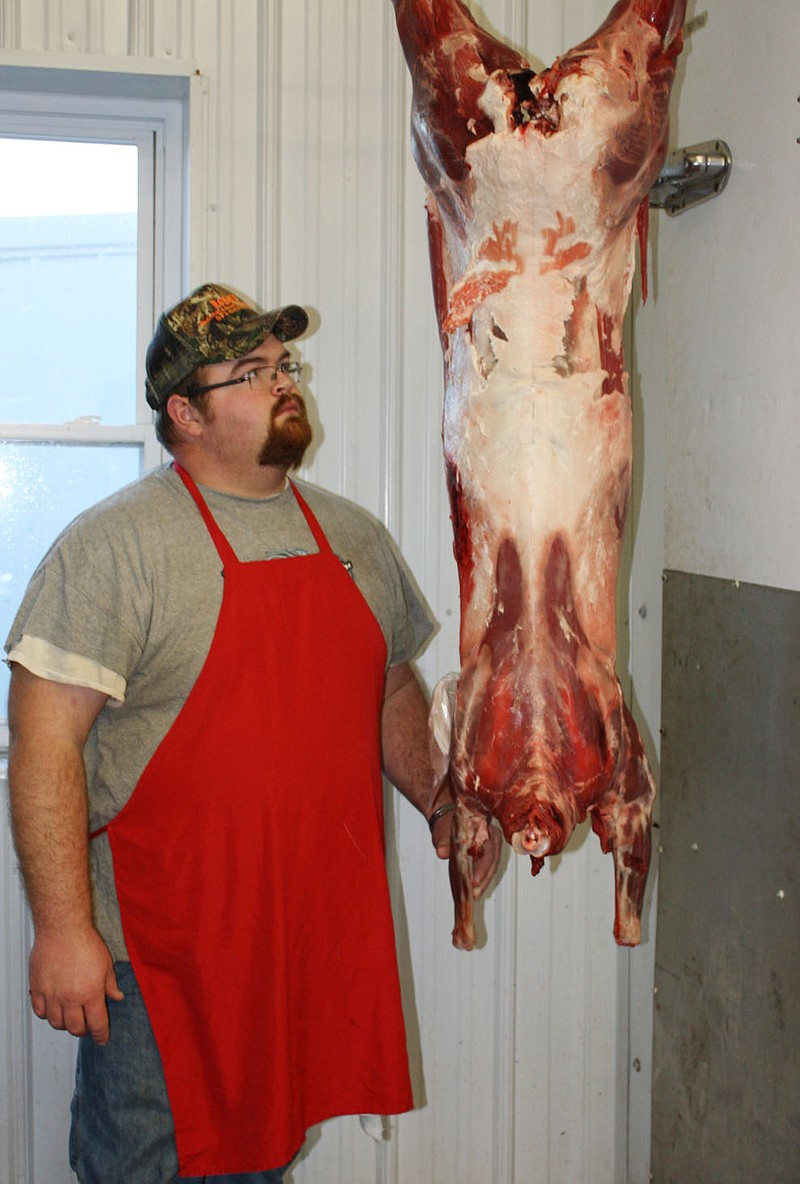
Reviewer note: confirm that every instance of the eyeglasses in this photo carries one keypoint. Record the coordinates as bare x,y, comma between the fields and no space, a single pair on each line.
259,378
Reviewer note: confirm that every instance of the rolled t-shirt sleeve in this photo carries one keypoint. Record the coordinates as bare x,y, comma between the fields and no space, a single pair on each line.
45,660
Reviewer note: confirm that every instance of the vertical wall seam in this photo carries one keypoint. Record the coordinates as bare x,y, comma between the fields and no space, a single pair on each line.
348,241
270,177
392,282
507,924
11,24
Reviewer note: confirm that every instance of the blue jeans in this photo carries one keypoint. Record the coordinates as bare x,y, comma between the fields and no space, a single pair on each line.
122,1130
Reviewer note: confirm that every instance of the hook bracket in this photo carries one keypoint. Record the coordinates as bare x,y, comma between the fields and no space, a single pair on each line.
692,175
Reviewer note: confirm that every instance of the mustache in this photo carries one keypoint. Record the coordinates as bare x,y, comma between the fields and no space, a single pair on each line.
285,399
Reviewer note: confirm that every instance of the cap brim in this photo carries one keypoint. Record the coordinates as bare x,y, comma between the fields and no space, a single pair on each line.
291,322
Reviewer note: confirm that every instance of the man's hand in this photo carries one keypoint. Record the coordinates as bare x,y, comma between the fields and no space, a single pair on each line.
70,977
482,868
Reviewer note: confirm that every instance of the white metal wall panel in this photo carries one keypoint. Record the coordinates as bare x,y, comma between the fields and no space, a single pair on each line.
726,316
304,190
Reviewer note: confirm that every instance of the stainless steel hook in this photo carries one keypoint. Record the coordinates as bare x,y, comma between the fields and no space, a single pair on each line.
692,175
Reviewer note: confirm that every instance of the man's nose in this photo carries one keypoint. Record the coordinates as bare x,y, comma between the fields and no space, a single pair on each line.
283,382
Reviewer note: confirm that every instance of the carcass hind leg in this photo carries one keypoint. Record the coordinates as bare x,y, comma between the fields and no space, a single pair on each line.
470,832
440,740
621,821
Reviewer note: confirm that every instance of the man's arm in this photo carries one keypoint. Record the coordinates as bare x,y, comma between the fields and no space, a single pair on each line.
407,764
71,970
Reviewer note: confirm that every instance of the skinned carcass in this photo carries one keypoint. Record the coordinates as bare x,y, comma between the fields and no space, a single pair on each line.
537,185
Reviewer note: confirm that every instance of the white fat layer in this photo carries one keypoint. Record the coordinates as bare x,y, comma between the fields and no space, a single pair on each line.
539,448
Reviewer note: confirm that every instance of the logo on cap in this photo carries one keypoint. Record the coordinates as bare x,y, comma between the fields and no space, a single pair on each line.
223,306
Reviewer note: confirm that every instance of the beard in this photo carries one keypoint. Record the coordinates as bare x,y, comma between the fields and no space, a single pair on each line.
287,439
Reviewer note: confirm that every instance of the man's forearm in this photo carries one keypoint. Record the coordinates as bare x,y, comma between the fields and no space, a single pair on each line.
404,738
48,725
49,819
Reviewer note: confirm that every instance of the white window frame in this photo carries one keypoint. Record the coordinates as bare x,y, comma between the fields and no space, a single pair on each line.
156,129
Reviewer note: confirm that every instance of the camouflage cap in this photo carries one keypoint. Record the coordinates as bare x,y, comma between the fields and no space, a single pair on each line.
213,324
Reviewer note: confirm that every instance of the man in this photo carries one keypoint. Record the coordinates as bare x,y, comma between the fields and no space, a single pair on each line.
208,671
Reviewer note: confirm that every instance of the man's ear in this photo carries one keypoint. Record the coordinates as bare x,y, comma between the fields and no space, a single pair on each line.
187,419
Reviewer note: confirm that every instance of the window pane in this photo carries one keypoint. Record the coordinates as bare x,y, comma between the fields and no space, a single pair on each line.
68,244
42,488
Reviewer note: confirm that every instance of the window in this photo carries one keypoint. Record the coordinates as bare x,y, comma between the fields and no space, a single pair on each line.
91,246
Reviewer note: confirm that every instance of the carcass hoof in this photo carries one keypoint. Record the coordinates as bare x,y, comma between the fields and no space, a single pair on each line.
464,937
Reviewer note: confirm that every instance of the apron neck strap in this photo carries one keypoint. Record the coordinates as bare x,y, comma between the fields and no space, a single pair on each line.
313,525
226,551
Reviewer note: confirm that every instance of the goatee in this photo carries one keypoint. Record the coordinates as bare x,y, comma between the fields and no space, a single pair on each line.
288,438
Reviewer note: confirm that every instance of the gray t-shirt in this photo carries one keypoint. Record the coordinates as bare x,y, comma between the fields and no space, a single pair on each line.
134,585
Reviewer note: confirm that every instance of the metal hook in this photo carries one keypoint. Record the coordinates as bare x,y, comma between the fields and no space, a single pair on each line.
692,175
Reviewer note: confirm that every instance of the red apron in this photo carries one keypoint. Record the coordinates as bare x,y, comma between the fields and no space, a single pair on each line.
249,865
